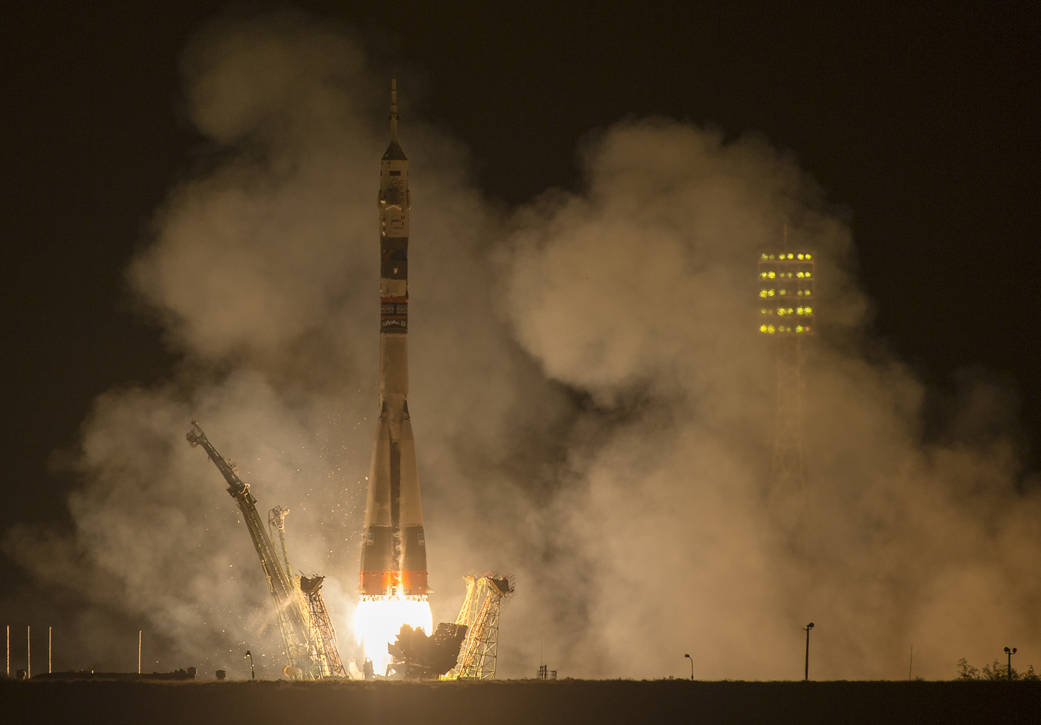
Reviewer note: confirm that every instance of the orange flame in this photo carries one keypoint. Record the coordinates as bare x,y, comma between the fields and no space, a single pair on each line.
378,619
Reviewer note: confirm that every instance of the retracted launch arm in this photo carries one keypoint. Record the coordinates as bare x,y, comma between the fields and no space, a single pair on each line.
236,486
289,606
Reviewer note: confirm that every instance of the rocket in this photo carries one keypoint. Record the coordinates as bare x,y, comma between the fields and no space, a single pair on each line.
393,555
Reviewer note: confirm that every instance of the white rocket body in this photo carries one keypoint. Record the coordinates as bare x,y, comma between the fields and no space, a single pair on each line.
393,558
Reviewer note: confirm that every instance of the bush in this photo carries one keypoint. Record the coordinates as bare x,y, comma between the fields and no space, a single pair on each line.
994,671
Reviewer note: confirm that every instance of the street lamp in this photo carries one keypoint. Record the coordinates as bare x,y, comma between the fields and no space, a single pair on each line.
806,671
1010,652
687,655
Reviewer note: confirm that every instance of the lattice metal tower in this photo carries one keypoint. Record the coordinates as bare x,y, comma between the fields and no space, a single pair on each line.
788,317
480,613
322,632
323,636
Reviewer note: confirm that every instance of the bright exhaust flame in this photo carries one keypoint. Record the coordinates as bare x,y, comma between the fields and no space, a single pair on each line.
378,620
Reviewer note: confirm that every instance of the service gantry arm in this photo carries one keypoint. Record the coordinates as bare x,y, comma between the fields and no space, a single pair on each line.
322,627
292,617
323,636
480,614
276,519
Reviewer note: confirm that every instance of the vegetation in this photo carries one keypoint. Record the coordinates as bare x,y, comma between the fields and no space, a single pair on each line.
994,671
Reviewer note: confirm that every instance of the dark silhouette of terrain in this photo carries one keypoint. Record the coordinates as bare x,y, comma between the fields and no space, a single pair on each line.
520,701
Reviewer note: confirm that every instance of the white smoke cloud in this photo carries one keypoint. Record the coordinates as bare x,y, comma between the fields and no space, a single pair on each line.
592,407
641,282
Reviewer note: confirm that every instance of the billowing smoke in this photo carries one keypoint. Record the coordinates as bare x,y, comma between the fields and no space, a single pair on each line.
593,408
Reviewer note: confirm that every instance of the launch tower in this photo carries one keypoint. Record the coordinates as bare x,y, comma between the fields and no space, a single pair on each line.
308,655
480,616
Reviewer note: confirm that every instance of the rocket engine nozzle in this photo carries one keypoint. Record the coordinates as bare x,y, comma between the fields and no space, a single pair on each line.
392,581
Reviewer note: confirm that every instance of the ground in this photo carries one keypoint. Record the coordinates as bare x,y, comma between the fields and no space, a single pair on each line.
522,701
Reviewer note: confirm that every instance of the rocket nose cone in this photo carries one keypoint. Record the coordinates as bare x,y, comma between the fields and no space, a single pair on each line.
394,152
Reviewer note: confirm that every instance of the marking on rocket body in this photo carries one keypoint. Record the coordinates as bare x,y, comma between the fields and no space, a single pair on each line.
394,315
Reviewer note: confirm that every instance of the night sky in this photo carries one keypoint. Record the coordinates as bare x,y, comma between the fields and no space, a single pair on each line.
920,124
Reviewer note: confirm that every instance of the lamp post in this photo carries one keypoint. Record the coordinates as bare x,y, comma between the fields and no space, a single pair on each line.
1010,652
806,669
687,655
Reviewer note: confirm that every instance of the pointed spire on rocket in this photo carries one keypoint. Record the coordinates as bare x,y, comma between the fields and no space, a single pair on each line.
393,109
394,151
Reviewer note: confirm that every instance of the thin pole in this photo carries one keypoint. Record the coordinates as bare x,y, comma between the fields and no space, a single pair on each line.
139,651
910,663
50,642
806,669
28,652
1010,652
8,650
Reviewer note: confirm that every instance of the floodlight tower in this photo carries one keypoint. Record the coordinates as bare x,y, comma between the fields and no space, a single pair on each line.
787,313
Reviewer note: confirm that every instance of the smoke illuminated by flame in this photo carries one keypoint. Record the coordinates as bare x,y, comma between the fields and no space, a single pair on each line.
378,620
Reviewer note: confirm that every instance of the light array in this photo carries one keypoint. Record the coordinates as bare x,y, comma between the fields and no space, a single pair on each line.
786,293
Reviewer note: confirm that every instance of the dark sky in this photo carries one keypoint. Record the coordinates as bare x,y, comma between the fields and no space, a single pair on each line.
921,122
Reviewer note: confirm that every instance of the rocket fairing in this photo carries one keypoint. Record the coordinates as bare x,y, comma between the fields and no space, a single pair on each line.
393,555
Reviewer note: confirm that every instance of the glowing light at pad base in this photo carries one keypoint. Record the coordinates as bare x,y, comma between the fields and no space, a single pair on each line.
378,620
